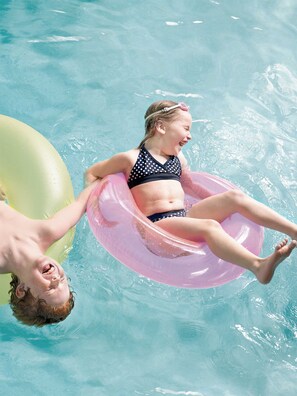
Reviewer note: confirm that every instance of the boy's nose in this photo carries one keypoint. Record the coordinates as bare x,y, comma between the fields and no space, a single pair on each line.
55,279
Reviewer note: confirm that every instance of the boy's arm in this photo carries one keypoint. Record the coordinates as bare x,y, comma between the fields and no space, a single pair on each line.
61,222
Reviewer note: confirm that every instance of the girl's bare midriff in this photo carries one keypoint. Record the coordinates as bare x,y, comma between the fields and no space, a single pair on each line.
158,196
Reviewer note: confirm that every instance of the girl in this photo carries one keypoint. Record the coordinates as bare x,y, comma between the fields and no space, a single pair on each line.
157,174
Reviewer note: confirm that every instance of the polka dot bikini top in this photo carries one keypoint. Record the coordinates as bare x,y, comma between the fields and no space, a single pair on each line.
147,169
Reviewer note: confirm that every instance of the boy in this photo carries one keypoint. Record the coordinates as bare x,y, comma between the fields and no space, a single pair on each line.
39,292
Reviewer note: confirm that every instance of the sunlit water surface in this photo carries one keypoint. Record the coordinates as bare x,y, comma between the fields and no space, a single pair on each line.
83,74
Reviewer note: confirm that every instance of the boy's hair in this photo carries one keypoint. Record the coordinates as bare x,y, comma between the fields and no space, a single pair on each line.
151,121
34,311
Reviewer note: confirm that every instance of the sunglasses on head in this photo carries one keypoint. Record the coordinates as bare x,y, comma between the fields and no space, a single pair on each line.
180,105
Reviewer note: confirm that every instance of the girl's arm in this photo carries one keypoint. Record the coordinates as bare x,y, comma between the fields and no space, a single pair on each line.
118,163
188,184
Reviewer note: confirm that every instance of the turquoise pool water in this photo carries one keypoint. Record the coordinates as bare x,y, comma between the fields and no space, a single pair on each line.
83,74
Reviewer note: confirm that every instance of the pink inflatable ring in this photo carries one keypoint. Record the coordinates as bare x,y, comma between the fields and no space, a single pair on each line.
144,247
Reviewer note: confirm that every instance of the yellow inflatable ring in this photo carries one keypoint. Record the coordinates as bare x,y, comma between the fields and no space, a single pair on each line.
35,181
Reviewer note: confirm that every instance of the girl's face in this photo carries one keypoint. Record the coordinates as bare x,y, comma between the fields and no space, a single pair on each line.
177,132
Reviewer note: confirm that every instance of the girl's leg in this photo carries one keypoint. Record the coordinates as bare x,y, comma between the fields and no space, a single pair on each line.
225,247
219,207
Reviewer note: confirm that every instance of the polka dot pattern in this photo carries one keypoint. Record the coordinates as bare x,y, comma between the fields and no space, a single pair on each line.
164,215
147,169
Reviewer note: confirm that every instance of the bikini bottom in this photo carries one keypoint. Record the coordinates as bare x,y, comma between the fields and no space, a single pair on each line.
163,215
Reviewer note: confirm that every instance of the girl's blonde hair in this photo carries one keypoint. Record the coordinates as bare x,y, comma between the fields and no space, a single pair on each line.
150,122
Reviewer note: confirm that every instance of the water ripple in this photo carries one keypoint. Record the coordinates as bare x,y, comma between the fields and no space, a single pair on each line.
58,39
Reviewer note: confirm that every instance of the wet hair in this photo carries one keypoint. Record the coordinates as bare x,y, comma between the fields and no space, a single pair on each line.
150,123
35,311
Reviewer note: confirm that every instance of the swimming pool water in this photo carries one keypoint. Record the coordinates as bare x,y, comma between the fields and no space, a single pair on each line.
83,73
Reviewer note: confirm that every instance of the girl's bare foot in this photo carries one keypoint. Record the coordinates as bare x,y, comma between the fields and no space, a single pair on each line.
267,266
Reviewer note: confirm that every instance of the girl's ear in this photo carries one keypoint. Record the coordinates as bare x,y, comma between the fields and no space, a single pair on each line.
20,290
160,127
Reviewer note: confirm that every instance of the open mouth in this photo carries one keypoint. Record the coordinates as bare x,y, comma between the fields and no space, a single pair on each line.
48,269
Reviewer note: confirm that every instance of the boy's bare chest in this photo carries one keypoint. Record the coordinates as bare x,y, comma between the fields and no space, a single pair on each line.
17,233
